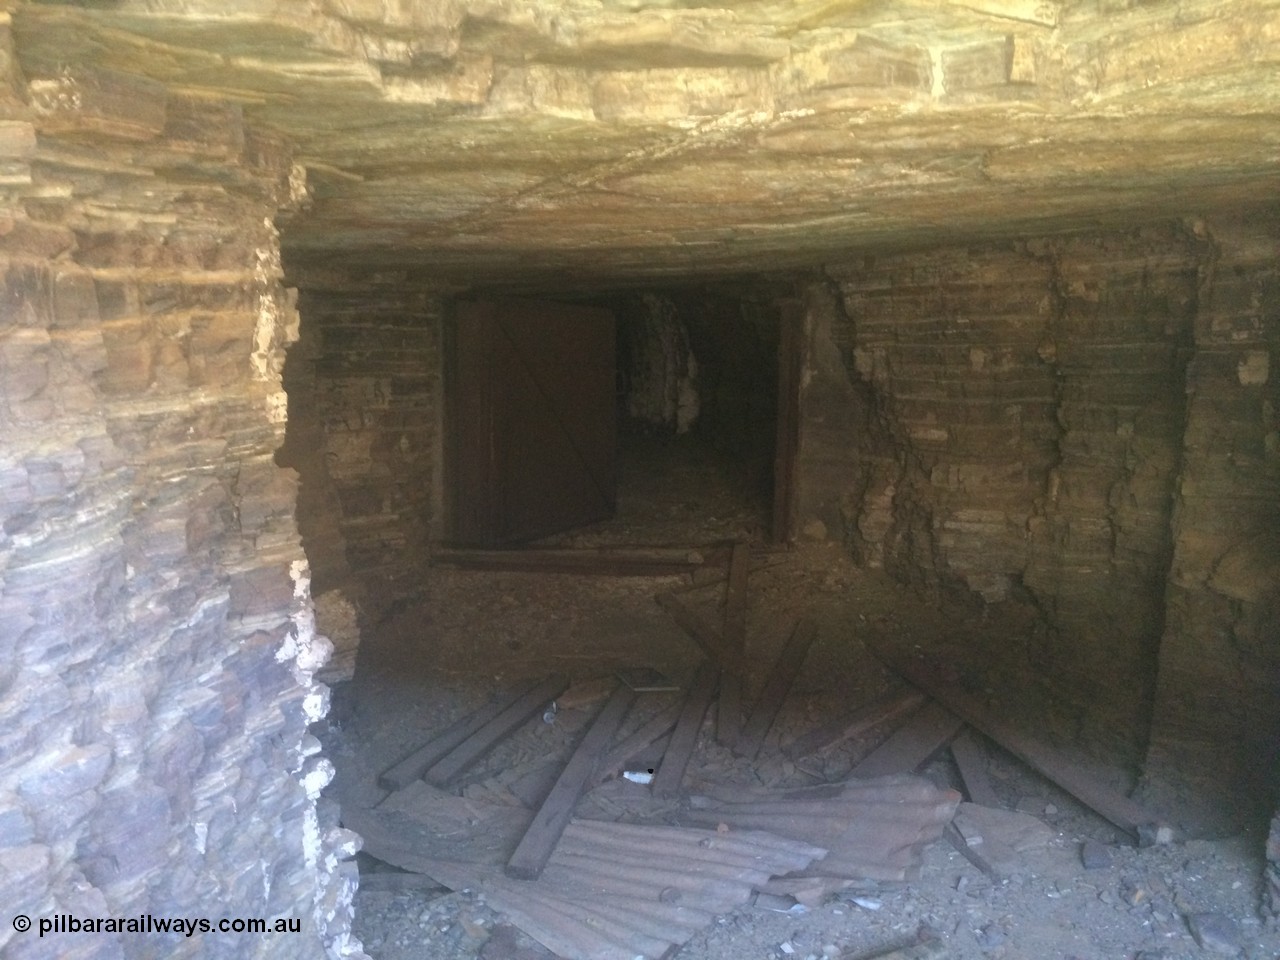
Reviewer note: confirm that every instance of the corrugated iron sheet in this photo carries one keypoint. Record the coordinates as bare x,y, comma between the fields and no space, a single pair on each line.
874,829
620,892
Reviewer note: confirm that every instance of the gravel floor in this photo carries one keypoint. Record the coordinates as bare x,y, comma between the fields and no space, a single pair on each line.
470,635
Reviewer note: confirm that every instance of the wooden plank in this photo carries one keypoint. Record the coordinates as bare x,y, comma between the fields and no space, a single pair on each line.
671,771
1144,825
715,572
646,680
970,756
399,882
413,766
704,633
859,720
729,707
961,846
647,734
927,731
729,710
735,598
539,841
783,675
604,562
488,736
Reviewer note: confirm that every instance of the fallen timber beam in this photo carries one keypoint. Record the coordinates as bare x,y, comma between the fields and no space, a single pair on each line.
539,841
608,562
705,634
970,755
492,733
657,727
898,704
685,736
781,678
1145,826
413,766
961,846
729,706
909,747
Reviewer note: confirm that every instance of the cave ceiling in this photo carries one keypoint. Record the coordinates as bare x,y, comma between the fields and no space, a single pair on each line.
648,139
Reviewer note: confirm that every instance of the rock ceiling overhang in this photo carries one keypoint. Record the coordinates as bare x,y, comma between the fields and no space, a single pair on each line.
509,137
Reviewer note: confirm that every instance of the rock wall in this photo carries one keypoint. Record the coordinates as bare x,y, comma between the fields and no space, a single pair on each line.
1217,719
948,342
156,637
1099,542
364,385
1014,418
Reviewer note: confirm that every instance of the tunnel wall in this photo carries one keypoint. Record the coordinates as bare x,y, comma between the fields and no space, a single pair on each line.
156,641
364,385
1082,425
1215,744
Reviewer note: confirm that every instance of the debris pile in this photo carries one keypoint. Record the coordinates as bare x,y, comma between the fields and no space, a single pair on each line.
596,867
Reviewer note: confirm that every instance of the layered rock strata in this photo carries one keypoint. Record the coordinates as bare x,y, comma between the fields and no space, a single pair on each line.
157,647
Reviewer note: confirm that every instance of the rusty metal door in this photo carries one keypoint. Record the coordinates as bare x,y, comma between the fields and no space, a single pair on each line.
532,419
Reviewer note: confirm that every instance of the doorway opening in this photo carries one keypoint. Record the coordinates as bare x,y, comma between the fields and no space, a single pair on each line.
654,417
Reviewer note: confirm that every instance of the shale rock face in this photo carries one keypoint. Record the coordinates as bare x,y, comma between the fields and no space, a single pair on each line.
1080,423
155,625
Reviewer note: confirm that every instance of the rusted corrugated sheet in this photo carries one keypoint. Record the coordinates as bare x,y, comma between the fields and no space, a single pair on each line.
875,829
617,891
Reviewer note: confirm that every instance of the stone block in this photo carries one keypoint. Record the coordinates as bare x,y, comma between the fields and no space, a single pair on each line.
156,298
211,518
26,293
1095,855
204,127
81,353
261,592
17,140
75,299
25,377
977,66
219,349
114,104
266,492
361,500
44,241
172,364
117,300
464,81
876,63
130,362
1254,368
656,95
266,153
1216,932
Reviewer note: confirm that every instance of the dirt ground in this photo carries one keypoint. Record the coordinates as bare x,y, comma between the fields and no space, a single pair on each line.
471,635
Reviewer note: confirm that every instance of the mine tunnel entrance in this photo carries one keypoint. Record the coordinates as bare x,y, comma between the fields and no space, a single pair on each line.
645,417
817,533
